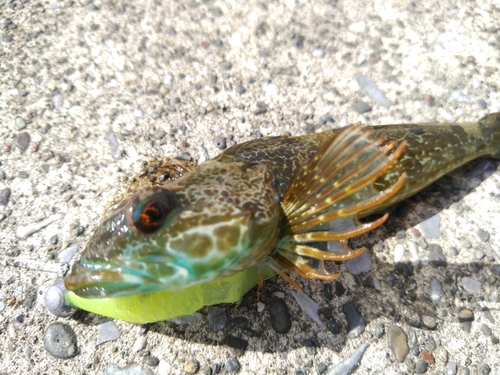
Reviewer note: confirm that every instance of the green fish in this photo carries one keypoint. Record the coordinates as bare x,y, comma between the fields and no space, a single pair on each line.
256,210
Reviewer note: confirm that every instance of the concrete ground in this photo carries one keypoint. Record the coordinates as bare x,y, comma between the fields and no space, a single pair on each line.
89,90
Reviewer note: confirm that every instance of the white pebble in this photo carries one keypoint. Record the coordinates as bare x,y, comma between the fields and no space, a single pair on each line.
164,368
372,90
260,306
318,52
204,155
25,231
271,90
168,80
399,252
436,291
459,97
415,256
279,294
139,344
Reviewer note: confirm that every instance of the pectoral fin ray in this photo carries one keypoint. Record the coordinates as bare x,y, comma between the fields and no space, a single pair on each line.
328,193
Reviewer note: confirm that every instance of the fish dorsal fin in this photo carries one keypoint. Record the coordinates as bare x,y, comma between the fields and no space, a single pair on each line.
327,194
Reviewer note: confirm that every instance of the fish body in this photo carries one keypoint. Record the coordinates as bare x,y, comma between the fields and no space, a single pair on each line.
254,210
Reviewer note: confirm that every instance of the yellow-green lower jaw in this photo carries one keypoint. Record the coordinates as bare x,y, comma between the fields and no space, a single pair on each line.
164,305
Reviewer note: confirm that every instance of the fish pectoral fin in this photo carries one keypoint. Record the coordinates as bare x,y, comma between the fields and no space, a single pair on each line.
330,191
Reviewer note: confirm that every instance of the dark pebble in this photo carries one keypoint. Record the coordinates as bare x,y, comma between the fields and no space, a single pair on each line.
415,350
339,289
328,291
483,235
421,367
60,340
240,89
54,239
279,315
379,330
13,251
354,320
482,103
217,318
333,327
2,217
220,142
320,368
4,196
362,107
23,141
298,41
232,365
436,256
484,370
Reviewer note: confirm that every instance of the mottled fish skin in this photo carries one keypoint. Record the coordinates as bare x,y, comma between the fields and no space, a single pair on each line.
226,215
432,151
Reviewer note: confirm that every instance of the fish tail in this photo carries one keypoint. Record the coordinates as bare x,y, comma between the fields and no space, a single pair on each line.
490,124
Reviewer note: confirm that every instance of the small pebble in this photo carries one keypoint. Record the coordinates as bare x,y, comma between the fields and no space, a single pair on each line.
4,196
436,291
436,256
471,285
279,316
356,324
350,364
220,142
184,156
450,368
151,360
55,302
362,107
159,134
19,123
421,367
23,141
217,318
190,320
107,332
232,365
372,90
192,367
483,235
484,369
60,340
139,343
430,227
307,305
399,252
379,330
465,315
240,89
398,342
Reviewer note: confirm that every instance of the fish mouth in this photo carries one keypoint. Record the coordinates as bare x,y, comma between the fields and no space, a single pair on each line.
107,282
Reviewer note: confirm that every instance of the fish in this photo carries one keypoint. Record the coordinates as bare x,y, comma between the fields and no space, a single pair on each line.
272,205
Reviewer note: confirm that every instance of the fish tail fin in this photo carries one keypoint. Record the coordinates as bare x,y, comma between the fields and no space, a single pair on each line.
328,193
491,124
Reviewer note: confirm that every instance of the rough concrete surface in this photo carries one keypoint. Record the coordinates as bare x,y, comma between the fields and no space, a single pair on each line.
99,87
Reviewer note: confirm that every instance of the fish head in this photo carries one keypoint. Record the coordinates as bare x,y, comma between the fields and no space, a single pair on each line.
216,221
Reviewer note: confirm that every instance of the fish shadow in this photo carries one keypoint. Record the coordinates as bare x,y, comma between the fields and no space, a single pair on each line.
403,298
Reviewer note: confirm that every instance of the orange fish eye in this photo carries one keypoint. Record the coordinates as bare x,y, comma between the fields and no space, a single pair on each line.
150,210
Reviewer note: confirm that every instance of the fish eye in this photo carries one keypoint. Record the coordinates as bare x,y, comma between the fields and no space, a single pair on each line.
151,209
